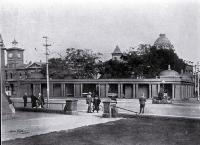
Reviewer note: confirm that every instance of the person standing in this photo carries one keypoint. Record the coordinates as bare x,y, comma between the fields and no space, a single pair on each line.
142,101
96,103
33,101
89,102
25,99
41,100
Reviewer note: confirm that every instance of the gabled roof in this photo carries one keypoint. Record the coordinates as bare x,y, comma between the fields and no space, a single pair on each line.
35,64
117,50
23,66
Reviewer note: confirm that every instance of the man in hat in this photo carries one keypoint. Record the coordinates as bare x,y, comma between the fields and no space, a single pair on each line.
142,101
89,102
25,99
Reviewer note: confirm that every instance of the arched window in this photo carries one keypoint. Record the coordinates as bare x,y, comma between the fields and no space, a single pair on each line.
11,75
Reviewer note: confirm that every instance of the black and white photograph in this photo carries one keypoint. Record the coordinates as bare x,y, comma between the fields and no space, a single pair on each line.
100,72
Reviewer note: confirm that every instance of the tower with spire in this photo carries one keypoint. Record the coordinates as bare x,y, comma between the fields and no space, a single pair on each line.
15,55
116,55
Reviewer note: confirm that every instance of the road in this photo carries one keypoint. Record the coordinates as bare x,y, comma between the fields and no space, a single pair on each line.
34,123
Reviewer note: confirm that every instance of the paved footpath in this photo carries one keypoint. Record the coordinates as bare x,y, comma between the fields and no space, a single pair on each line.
34,123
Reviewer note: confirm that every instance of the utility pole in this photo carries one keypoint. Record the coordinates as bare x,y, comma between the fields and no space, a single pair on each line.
196,80
47,65
198,86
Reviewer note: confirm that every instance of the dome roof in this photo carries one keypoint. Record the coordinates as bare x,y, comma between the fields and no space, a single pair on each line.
169,73
163,42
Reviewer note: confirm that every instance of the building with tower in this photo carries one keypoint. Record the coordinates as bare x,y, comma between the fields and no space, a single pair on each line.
116,55
21,78
15,56
16,70
162,42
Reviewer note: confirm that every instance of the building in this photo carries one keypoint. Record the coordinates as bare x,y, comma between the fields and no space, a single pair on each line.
16,70
169,80
21,78
162,42
116,55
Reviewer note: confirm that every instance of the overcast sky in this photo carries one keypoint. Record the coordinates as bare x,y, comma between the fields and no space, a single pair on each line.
100,25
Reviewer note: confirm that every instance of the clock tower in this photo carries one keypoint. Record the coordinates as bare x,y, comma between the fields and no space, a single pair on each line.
15,55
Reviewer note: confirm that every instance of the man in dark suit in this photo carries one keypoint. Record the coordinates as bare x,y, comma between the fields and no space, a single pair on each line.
33,101
142,101
25,99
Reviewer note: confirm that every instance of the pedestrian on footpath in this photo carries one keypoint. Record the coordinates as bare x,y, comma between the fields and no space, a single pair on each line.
34,100
142,101
25,99
96,103
89,102
40,101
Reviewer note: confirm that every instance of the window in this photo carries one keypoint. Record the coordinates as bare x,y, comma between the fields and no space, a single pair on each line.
11,75
18,55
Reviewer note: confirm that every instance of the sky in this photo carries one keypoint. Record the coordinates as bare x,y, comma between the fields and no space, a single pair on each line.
100,25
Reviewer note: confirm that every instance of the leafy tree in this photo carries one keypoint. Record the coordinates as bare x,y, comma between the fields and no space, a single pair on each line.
147,61
77,63
83,63
114,69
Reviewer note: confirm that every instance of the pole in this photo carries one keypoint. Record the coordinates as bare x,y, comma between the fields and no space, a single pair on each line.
198,86
47,69
195,89
2,63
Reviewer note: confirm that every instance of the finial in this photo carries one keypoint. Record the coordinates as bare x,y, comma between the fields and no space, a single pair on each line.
14,42
169,68
162,35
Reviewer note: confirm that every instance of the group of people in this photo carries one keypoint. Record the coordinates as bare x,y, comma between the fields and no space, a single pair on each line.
37,102
96,102
92,100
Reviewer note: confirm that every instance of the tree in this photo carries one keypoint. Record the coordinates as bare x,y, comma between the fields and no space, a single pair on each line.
153,61
77,63
83,63
114,69
147,61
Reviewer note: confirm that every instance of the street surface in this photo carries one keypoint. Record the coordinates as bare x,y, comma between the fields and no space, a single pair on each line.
34,123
